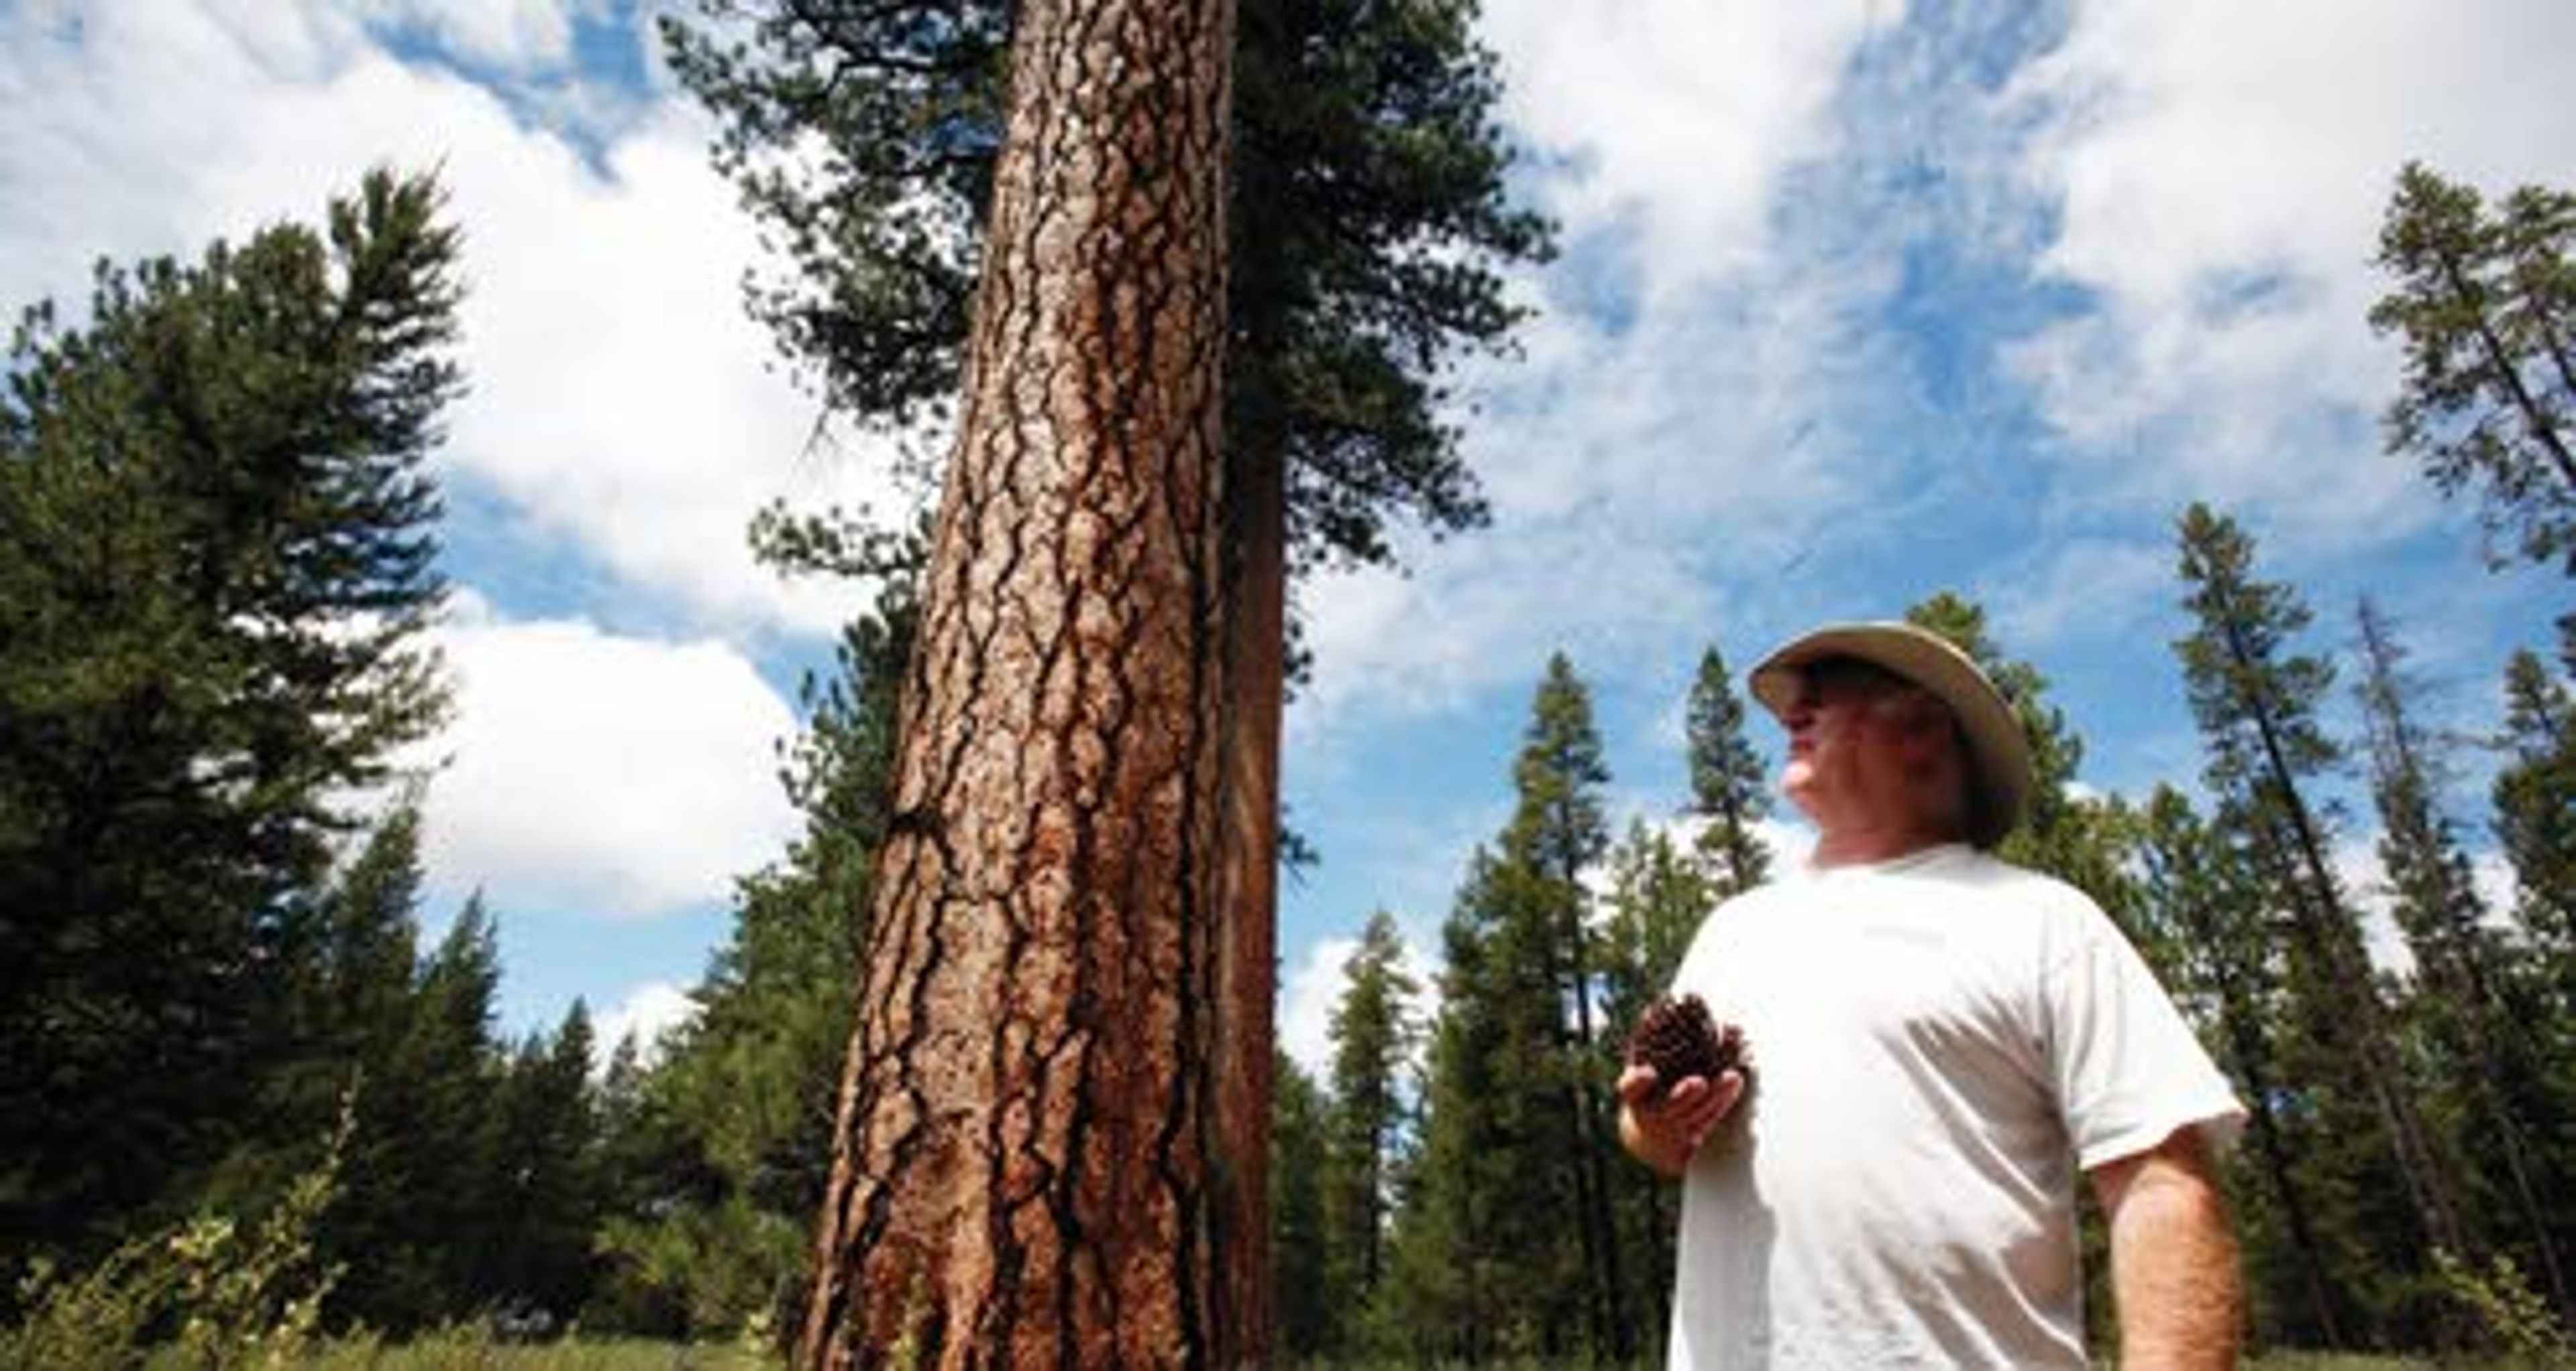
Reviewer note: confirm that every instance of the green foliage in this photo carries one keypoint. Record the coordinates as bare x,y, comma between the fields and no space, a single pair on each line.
2485,303
1509,1246
2518,1322
1307,1315
215,564
1373,1034
218,1297
1369,220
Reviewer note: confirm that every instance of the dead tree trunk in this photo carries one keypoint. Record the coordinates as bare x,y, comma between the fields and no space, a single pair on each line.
1030,1165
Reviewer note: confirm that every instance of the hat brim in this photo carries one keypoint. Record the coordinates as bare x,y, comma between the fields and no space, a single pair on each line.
1998,751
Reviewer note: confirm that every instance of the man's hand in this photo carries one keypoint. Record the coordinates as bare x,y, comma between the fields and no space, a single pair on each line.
1664,1132
2173,1257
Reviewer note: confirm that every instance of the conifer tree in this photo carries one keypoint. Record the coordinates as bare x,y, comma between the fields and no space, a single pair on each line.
1305,1307
2256,699
1730,791
1373,1034
545,1171
1514,1171
2482,1081
2534,822
215,563
2485,304
2203,926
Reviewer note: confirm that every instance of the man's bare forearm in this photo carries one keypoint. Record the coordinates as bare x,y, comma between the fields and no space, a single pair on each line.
2173,1260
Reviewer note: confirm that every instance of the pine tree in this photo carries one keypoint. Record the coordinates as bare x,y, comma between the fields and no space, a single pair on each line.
2482,1077
1513,1174
1730,790
1368,227
545,1172
2256,699
2486,306
1305,1307
1033,1158
2204,927
215,563
2534,821
1373,1035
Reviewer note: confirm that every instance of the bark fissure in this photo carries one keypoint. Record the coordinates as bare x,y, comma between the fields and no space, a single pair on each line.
1027,1120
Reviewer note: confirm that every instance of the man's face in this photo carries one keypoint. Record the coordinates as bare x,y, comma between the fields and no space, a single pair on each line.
1847,754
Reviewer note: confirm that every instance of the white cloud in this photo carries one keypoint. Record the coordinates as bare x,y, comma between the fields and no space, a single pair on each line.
2219,172
616,776
1314,985
617,393
1672,118
647,1013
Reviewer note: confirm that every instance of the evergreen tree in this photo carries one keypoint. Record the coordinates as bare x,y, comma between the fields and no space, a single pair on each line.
1730,790
1517,1136
1373,1035
2485,304
2481,1082
2535,823
1305,1311
1479,1242
215,563
2256,699
2204,927
546,1156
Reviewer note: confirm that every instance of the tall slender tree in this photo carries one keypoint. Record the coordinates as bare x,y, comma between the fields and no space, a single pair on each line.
2203,924
216,543
1373,1035
1730,791
2256,699
1517,1136
1031,1164
2485,304
1305,1315
2462,1007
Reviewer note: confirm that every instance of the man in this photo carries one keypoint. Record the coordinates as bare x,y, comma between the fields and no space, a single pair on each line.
1937,1042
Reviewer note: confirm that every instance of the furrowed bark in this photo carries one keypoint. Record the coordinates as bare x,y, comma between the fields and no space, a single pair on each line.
1028,1169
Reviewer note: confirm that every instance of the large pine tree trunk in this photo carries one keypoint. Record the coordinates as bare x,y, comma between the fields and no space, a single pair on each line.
1032,1123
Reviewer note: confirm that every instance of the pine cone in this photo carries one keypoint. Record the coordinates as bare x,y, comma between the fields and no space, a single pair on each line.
1679,1039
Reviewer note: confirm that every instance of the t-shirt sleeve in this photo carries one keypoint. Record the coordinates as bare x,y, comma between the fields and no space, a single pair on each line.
2129,1071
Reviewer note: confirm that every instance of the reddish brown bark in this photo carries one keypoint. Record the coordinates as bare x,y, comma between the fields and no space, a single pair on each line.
1035,1128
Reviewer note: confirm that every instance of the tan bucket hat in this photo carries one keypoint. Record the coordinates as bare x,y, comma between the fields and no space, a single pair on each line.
1998,753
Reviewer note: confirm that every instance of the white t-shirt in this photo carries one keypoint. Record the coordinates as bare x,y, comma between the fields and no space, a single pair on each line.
1939,1044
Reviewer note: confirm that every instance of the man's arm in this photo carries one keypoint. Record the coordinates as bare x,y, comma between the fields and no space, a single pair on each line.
2173,1257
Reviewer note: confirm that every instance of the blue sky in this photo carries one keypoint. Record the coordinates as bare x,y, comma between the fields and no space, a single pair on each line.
1857,302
